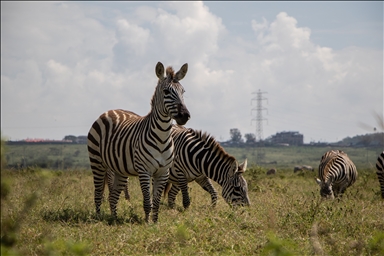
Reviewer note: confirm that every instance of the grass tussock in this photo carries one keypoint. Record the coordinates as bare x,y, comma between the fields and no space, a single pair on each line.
47,212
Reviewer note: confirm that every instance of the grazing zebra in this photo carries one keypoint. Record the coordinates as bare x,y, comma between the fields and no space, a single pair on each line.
127,144
380,172
307,168
297,169
337,172
303,168
198,157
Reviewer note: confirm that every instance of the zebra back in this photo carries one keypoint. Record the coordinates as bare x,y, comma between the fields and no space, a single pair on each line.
380,172
336,172
198,153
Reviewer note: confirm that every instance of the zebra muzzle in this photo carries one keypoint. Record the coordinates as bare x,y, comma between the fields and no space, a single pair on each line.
183,115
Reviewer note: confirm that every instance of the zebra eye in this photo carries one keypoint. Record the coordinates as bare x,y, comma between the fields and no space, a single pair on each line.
166,91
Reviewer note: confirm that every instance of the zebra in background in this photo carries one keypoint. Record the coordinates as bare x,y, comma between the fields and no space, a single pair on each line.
127,144
380,172
337,172
199,157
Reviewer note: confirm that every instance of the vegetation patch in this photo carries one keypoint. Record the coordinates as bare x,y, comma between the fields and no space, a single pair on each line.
51,212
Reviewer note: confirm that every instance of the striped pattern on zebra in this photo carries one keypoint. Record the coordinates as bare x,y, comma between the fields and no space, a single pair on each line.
199,157
336,172
380,172
127,144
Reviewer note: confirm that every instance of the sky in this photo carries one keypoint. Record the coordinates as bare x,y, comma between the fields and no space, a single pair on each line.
319,65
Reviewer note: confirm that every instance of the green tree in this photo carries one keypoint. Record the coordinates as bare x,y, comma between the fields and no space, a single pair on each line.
250,138
235,136
71,138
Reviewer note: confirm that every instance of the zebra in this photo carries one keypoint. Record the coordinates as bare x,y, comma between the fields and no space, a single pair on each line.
297,169
380,172
337,172
307,168
127,144
199,157
303,168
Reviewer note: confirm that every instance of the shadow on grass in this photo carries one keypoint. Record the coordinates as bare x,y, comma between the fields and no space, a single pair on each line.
73,217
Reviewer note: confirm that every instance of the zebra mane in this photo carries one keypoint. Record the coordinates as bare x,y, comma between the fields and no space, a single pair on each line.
170,73
210,141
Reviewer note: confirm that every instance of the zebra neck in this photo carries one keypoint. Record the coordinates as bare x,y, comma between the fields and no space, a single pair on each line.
160,124
219,171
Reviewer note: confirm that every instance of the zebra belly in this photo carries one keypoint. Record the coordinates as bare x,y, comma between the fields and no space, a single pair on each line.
190,173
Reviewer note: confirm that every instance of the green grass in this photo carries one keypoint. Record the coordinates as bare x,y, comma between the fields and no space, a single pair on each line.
66,156
70,156
289,157
46,212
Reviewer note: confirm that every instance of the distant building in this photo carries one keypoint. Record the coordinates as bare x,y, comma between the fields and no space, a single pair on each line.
77,139
284,138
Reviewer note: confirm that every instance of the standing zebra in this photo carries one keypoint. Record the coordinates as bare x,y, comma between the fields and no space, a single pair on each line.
199,157
337,172
127,144
380,172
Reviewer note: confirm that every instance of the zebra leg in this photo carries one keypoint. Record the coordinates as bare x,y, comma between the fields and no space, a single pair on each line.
99,183
126,192
119,183
380,176
108,180
183,185
144,179
206,184
380,172
172,195
159,184
338,191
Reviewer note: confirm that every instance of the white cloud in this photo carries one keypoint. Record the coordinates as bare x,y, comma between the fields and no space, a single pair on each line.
66,63
132,36
262,26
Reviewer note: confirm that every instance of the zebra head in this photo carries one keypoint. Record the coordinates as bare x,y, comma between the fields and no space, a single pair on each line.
326,190
170,93
235,189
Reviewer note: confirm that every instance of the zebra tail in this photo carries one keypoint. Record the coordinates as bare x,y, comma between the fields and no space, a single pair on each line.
167,189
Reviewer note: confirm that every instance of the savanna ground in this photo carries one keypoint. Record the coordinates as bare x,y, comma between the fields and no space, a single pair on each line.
51,212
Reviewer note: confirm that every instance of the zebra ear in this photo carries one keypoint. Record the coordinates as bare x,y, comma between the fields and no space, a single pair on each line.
318,181
233,169
242,167
182,72
159,70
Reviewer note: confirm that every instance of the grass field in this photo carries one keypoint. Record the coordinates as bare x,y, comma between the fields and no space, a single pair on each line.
45,212
52,156
72,156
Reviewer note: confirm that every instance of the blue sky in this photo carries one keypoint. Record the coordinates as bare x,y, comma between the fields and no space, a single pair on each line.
320,64
335,24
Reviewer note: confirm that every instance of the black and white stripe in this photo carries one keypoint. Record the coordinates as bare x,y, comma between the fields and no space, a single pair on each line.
380,172
336,172
127,144
193,152
199,157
